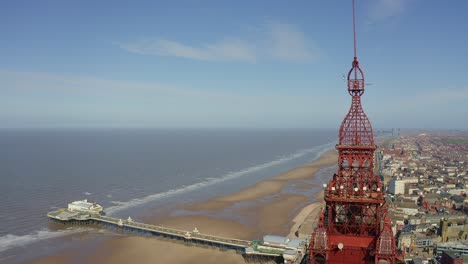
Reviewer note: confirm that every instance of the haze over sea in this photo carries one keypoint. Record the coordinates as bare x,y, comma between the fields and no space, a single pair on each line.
128,170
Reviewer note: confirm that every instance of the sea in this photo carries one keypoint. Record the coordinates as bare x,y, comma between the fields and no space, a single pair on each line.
129,170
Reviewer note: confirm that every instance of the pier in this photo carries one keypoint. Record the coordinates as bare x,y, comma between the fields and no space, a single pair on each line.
252,251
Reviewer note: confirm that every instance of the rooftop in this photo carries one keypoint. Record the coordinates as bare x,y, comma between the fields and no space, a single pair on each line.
461,244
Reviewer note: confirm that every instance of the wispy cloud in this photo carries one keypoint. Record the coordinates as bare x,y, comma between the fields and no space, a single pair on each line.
381,10
440,108
288,43
226,50
35,99
442,102
436,99
278,41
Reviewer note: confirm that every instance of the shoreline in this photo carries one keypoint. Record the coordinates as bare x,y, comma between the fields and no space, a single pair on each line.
257,210
262,208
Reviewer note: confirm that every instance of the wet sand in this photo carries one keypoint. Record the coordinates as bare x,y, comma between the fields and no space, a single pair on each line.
150,250
248,214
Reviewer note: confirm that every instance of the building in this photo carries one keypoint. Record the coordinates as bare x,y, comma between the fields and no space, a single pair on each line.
397,185
460,246
405,240
85,206
423,241
451,257
453,228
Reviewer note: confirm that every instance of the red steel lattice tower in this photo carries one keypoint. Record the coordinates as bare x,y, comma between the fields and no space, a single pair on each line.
354,227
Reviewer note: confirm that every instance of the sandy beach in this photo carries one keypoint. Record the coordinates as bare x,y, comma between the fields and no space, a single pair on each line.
263,208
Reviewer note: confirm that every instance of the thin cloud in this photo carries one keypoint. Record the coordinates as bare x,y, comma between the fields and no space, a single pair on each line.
381,10
430,101
439,98
441,108
47,100
278,42
289,44
226,50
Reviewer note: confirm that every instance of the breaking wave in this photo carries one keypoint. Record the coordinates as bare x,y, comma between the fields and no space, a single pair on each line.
318,150
10,241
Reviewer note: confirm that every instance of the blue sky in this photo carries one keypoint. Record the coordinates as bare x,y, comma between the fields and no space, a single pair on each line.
231,63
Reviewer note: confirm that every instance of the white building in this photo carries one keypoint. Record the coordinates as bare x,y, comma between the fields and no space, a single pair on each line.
85,206
397,185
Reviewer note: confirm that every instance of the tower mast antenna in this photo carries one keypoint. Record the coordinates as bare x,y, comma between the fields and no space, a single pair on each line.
356,67
354,29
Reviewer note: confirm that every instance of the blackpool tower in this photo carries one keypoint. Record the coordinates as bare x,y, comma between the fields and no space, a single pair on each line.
354,226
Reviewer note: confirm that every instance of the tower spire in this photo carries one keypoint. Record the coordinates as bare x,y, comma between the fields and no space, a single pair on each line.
354,226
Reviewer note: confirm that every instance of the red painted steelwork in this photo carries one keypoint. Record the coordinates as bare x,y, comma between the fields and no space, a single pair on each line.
354,227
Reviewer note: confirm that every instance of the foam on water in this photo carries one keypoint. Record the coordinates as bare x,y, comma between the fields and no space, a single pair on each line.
10,241
318,150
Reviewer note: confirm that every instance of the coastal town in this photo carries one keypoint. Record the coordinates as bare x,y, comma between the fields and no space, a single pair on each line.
427,184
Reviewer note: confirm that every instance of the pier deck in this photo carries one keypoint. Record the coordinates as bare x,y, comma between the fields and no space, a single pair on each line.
244,247
66,216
